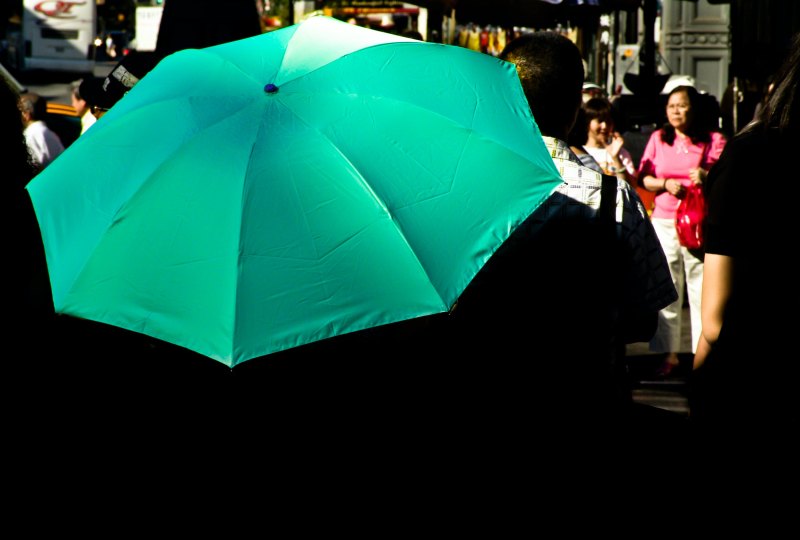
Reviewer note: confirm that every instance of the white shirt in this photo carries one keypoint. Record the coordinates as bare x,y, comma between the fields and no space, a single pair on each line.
602,157
43,143
86,121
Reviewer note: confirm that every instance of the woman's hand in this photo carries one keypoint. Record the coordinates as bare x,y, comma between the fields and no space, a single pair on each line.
698,175
674,187
615,145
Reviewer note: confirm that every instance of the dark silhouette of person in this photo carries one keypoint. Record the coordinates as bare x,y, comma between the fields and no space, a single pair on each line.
195,24
18,169
66,365
548,312
745,368
29,325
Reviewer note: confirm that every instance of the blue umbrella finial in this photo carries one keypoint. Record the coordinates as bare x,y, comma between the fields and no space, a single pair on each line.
270,88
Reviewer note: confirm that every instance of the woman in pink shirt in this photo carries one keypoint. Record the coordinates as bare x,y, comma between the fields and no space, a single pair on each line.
677,155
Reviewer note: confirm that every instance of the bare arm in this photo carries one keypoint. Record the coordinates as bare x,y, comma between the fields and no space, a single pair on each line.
651,183
717,278
703,348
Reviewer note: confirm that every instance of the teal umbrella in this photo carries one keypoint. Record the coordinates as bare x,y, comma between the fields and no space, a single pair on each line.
270,192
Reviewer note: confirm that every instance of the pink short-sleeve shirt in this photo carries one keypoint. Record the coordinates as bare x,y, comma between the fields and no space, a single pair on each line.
664,161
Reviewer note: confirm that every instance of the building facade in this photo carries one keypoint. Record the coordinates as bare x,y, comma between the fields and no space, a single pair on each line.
695,41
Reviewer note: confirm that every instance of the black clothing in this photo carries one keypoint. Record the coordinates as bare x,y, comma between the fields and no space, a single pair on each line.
195,24
543,314
750,376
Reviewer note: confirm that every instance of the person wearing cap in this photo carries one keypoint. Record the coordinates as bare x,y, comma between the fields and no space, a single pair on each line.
592,90
104,93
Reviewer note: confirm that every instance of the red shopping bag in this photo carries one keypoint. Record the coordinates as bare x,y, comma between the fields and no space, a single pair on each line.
690,216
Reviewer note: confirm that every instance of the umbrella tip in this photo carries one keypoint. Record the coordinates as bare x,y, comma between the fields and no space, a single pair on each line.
270,88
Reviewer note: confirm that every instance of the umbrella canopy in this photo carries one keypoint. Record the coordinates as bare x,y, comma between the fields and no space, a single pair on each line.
258,195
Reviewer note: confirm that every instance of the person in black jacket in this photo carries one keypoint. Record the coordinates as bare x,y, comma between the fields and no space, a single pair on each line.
551,310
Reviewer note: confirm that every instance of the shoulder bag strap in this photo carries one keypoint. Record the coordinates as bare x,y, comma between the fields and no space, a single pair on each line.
608,224
608,202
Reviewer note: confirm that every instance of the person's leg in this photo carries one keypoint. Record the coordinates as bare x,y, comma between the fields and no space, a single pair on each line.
667,336
694,288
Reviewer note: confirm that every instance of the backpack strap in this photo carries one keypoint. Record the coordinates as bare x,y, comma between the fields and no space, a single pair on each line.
608,224
608,202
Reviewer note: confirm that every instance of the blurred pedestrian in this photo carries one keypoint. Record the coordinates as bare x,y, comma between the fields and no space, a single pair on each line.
605,144
678,154
746,362
18,166
43,143
30,311
581,275
592,90
82,107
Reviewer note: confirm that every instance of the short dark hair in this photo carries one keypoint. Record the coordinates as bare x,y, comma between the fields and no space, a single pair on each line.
550,67
90,90
598,108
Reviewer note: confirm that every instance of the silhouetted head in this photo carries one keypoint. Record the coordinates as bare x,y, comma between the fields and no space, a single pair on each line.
550,68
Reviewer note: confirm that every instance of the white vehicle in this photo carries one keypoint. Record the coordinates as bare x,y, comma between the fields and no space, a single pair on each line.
56,35
148,21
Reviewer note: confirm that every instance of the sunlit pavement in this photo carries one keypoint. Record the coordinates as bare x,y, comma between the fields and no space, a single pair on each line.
670,392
